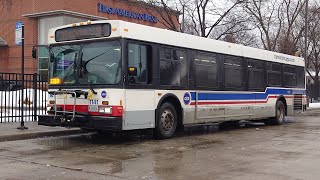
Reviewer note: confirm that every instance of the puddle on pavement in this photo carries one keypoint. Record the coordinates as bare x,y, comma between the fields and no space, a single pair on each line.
125,140
205,144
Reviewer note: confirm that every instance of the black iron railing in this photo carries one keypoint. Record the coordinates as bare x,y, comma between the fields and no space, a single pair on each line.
34,101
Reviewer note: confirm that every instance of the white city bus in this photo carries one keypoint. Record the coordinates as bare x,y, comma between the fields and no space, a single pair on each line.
116,75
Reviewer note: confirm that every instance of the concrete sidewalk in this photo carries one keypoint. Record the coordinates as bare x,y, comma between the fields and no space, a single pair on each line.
9,131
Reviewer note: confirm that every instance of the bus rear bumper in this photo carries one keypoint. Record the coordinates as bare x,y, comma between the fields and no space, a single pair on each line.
88,122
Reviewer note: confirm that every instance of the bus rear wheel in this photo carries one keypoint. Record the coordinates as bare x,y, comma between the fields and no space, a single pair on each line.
280,115
166,122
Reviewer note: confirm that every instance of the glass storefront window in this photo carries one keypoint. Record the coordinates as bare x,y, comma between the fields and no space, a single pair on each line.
43,61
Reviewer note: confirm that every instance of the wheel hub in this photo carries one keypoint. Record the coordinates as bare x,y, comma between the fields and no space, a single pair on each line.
167,120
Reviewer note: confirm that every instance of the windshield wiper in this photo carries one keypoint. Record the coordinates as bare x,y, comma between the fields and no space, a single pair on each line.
92,90
70,69
80,68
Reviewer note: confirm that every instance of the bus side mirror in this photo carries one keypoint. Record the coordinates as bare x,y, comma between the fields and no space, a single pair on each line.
51,58
34,52
133,71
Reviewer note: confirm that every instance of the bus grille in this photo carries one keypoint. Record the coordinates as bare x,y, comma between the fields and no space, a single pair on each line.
297,102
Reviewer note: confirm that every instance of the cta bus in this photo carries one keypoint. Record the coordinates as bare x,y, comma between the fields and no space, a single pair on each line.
116,75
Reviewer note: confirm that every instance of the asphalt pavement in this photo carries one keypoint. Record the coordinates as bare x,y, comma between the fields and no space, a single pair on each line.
254,151
9,131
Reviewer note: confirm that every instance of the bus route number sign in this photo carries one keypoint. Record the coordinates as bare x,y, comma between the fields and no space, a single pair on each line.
93,105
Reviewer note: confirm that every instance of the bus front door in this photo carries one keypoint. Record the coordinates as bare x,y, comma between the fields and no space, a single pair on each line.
139,109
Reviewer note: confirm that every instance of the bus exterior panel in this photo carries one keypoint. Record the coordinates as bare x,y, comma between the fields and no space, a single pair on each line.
129,105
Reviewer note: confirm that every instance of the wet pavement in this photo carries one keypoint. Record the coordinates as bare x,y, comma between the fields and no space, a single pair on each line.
255,151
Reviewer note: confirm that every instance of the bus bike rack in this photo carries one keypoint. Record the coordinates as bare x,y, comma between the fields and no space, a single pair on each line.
64,113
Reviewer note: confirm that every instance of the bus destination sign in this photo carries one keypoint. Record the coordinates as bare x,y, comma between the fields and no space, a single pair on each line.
83,32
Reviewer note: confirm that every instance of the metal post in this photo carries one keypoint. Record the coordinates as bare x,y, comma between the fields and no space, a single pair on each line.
22,127
306,33
183,23
306,40
35,98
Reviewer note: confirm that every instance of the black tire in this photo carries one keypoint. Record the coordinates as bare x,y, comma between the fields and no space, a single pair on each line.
280,115
166,121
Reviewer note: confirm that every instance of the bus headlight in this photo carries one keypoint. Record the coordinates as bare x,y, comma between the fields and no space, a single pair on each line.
105,110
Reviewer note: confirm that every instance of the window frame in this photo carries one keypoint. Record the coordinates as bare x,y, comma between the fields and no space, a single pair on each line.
242,68
262,70
216,56
290,73
150,65
147,63
182,84
280,73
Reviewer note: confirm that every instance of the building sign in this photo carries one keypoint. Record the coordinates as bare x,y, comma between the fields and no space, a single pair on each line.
18,39
125,13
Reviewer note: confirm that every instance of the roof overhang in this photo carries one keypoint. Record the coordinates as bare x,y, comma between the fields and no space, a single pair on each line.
63,12
3,42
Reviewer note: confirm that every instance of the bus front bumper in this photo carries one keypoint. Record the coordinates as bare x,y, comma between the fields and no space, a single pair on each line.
88,122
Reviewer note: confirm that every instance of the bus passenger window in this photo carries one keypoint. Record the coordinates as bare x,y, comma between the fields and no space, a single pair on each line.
256,75
206,70
274,74
233,73
137,63
173,67
290,76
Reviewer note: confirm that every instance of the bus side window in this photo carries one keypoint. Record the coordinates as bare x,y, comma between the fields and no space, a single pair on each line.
274,74
173,67
256,75
138,63
233,73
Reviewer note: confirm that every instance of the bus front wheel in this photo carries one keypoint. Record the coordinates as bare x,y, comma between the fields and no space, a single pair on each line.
280,115
166,122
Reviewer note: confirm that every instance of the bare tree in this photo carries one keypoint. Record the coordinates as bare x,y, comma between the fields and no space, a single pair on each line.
167,10
201,17
206,15
278,22
236,27
313,48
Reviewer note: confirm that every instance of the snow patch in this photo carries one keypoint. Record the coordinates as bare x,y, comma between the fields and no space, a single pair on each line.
314,105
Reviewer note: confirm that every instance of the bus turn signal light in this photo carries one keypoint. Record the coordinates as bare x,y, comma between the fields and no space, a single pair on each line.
51,102
55,81
105,103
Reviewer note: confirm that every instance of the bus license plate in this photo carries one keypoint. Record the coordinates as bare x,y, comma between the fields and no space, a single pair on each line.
93,105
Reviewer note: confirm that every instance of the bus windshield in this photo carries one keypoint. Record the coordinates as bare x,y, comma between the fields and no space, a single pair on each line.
87,63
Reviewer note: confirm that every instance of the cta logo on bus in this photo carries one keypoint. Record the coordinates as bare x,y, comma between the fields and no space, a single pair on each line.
103,94
187,98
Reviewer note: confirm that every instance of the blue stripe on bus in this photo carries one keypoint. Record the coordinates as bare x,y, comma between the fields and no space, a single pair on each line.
245,96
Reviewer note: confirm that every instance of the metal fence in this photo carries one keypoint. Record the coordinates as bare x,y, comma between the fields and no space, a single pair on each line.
35,97
313,92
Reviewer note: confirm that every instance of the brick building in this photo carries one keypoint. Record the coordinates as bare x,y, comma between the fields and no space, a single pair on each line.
38,16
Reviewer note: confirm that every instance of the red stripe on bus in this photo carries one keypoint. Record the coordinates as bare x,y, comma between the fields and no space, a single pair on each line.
117,111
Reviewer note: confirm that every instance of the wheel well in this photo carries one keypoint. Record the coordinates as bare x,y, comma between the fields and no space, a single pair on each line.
177,105
283,100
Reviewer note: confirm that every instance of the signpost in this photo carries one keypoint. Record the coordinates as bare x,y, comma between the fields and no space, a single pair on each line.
20,41
18,38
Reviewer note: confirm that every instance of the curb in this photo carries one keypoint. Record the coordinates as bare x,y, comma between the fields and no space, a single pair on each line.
39,135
